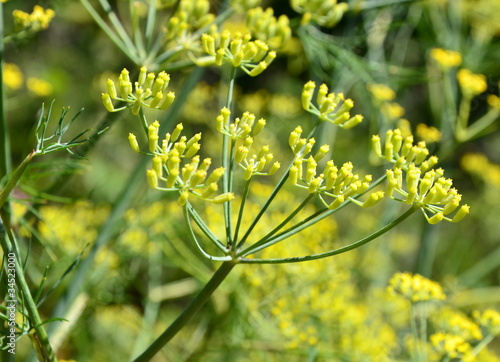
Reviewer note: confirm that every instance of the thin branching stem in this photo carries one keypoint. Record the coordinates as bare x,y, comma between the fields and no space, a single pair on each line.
341,250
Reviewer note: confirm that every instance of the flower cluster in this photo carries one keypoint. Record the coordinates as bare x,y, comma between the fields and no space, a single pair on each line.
322,12
240,128
264,26
402,152
425,187
149,91
190,16
489,320
383,99
452,346
415,288
339,184
190,178
253,57
471,84
38,20
256,163
446,58
330,107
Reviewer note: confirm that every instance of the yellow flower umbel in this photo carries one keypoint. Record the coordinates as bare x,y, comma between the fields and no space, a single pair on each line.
170,173
331,107
423,186
381,92
189,17
489,320
13,77
452,346
148,91
339,184
253,57
471,84
446,58
326,13
38,20
264,26
415,288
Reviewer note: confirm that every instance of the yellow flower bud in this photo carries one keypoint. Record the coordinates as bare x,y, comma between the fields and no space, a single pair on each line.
461,213
220,199
373,199
209,191
436,218
338,201
152,178
133,142
106,100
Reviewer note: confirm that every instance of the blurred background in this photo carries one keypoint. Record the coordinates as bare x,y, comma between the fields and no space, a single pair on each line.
118,263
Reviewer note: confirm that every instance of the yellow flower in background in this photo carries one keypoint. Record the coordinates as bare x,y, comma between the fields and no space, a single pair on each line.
428,133
452,346
470,83
415,288
38,86
392,110
13,77
446,58
381,92
38,20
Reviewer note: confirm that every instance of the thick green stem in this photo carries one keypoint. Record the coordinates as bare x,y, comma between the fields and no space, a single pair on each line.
193,307
39,335
4,131
5,192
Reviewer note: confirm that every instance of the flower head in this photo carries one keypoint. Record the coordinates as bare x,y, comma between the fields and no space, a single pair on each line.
415,288
446,58
252,56
331,107
470,83
148,91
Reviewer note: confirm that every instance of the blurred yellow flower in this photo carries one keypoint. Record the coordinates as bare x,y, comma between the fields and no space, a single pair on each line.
392,110
493,101
452,346
415,288
428,133
381,92
40,87
470,83
13,77
446,58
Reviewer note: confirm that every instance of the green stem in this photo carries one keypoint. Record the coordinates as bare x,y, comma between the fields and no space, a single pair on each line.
242,208
109,32
5,157
122,33
193,237
463,119
150,23
193,307
275,192
227,147
481,345
314,218
344,249
39,336
204,227
4,194
263,243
